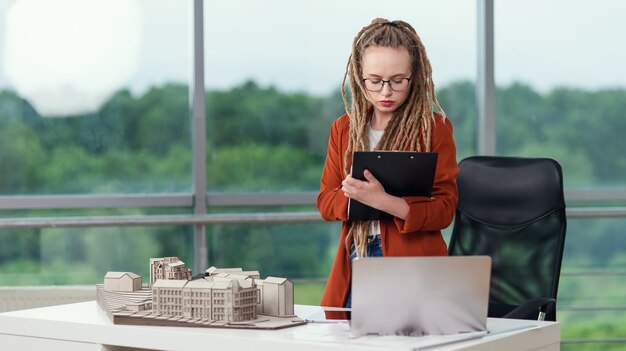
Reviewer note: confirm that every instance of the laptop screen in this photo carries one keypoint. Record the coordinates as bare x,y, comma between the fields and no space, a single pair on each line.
420,295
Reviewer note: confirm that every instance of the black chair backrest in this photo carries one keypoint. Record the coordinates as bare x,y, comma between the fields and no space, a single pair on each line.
513,210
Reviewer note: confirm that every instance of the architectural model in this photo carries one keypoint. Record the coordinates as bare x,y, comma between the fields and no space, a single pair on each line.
168,268
122,281
221,297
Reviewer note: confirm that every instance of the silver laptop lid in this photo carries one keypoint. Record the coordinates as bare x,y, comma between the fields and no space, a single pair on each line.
420,295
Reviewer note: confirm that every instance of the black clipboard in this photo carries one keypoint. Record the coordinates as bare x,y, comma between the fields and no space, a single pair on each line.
401,173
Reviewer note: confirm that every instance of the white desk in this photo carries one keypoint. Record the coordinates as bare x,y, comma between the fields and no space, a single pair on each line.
83,326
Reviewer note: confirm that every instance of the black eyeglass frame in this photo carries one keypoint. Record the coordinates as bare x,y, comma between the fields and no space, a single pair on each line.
383,84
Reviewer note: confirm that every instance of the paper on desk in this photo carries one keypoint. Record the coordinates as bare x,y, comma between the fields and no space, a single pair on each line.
415,342
322,332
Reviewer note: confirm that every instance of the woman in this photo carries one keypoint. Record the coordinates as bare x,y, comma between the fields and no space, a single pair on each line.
393,107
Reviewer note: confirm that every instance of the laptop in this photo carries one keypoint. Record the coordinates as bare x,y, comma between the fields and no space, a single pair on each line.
420,295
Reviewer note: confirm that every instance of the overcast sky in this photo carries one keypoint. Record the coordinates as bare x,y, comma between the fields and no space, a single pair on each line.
52,49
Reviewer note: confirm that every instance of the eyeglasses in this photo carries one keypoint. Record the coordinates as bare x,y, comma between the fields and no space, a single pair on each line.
376,84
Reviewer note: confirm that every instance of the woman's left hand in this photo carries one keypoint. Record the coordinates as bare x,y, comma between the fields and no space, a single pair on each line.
369,192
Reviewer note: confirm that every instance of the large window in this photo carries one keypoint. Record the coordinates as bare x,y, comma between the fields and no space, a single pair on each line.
94,97
93,103
273,82
562,86
561,93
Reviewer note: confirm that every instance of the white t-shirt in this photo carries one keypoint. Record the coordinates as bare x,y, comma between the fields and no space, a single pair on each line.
374,138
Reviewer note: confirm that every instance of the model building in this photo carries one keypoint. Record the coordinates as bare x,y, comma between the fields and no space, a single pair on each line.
122,281
214,298
220,297
170,268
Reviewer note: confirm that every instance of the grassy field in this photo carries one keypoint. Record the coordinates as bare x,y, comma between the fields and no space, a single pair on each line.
308,293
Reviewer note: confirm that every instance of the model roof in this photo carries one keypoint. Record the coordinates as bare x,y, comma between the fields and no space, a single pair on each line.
200,284
214,270
121,274
275,280
176,264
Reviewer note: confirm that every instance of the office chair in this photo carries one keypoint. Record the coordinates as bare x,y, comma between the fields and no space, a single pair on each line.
513,210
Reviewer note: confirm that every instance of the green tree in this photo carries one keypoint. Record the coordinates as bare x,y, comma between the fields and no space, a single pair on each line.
262,167
459,103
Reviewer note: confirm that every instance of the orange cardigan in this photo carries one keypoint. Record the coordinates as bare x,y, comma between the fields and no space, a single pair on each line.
418,235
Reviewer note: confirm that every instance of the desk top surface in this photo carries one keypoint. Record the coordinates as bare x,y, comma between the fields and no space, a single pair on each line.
86,322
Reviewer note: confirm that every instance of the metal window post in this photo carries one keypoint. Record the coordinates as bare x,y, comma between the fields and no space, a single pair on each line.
198,132
485,81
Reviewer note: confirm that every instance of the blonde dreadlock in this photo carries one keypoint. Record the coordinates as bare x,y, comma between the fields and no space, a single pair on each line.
411,127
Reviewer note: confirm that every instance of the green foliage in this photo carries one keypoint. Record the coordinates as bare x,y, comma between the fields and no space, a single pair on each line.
21,155
254,167
249,114
17,243
308,293
594,327
580,129
459,103
83,256
294,250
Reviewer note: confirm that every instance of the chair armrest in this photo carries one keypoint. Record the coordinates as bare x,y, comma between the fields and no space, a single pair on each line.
540,305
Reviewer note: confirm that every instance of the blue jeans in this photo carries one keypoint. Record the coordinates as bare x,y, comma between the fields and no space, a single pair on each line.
374,249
